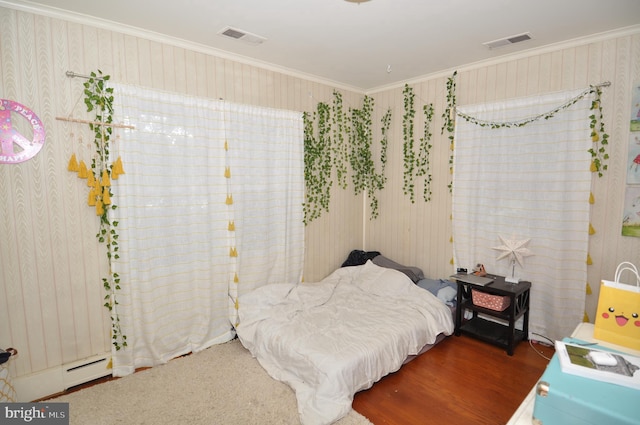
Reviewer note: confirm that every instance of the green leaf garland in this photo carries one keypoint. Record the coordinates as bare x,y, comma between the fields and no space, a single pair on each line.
326,147
416,165
407,147
98,98
600,138
449,122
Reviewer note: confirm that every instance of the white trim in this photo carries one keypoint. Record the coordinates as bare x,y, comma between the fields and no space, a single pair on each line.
631,287
79,18
57,379
621,32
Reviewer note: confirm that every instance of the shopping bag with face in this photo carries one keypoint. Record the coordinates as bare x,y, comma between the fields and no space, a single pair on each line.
617,316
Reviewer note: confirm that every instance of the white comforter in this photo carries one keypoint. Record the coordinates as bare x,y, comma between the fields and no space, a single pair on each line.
330,339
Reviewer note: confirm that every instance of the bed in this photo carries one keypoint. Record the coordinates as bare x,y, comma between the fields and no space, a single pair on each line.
330,339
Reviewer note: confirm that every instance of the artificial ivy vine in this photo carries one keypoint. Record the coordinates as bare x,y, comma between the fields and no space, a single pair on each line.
600,138
364,176
325,147
416,165
339,148
449,122
317,164
98,98
423,162
407,147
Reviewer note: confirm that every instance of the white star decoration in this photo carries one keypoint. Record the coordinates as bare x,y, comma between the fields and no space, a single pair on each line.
514,249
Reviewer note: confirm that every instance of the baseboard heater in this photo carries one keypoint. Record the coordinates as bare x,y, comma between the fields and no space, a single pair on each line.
86,370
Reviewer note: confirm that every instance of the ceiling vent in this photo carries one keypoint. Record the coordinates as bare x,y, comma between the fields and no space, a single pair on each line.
508,40
241,35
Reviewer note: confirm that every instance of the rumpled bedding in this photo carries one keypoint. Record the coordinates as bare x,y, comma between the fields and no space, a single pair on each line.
331,339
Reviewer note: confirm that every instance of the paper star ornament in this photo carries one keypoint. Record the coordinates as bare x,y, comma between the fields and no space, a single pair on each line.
513,249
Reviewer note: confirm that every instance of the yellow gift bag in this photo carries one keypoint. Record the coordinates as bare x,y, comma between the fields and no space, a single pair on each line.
617,316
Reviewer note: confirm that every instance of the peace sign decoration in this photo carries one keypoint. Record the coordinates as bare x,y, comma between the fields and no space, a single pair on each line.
14,147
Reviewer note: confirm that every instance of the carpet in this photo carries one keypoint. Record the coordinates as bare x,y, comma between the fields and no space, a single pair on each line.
220,385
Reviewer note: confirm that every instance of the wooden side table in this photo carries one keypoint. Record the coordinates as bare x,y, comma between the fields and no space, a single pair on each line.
504,335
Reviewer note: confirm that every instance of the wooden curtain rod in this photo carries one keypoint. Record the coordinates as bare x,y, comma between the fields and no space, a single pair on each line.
105,124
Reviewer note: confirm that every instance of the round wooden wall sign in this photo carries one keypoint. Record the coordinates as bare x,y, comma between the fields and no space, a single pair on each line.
15,147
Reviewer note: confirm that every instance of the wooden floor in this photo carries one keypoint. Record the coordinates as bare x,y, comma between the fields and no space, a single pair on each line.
459,381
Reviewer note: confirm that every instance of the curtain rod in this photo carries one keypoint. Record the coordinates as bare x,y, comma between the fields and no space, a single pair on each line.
72,74
603,84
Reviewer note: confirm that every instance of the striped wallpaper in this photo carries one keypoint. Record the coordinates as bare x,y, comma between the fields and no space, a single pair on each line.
51,265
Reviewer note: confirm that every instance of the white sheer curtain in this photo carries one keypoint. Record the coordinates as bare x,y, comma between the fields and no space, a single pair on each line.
178,243
530,182
266,181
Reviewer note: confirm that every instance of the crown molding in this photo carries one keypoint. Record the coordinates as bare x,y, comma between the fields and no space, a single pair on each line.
576,42
82,19
52,12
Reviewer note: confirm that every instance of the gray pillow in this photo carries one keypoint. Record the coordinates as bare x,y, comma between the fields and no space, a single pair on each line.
414,273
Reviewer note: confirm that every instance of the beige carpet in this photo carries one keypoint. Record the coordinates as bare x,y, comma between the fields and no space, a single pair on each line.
220,385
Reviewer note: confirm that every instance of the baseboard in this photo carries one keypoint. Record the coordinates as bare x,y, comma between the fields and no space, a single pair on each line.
42,384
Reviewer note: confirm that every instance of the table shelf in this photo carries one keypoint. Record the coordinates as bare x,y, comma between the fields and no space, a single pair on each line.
491,332
503,332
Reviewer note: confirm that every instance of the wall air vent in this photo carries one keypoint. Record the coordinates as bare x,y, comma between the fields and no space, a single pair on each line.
241,35
508,40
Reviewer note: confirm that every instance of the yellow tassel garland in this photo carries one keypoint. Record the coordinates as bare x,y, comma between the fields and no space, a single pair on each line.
589,291
91,200
105,178
73,163
589,260
91,180
82,170
116,169
592,199
229,200
99,208
233,252
235,278
591,229
106,197
585,318
593,167
227,172
232,226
